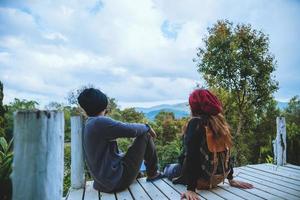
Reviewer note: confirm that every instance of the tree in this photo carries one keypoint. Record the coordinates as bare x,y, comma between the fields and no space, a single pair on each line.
132,116
238,60
113,110
166,127
2,111
292,115
16,105
265,130
163,116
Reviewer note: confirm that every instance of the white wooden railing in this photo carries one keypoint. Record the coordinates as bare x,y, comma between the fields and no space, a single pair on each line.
77,164
279,144
38,155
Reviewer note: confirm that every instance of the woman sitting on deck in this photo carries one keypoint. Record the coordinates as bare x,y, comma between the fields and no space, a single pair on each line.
110,170
204,162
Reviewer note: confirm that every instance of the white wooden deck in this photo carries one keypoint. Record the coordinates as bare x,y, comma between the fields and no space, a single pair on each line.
270,182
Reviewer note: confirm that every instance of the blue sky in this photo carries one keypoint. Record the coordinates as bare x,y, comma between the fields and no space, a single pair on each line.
137,51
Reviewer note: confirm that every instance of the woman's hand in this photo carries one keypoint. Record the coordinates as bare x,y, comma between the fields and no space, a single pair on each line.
240,184
190,195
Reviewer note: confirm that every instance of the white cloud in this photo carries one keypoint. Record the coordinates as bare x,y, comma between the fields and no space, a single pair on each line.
50,47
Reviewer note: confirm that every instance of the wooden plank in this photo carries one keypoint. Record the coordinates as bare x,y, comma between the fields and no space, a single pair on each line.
151,190
225,194
75,194
166,189
258,192
274,171
240,192
90,192
270,179
181,189
124,195
107,196
283,168
271,184
138,192
279,168
271,175
292,166
278,193
209,194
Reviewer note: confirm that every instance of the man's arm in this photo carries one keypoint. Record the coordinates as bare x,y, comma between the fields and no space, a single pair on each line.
113,129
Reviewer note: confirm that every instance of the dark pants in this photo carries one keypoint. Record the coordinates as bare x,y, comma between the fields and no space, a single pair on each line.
143,148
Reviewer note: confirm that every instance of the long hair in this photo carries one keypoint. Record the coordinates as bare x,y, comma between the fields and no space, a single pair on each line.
220,127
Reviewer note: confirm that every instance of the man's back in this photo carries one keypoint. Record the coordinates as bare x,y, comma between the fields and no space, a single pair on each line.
101,150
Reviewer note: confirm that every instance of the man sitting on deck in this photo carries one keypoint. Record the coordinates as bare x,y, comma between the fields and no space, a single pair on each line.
112,171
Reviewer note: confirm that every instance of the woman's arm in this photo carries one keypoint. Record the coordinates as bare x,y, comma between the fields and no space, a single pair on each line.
238,184
193,162
235,183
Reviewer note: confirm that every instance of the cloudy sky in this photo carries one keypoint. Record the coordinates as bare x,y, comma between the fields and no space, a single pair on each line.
137,51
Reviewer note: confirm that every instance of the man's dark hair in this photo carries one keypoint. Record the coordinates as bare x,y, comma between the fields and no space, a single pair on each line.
93,101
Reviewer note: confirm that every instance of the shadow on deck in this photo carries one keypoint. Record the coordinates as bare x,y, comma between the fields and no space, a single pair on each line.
270,182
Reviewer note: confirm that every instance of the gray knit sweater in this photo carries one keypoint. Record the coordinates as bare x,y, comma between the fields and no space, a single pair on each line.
101,151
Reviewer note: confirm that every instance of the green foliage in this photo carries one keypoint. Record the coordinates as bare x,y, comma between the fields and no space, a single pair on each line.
124,144
67,168
2,112
23,104
237,59
16,105
166,126
132,116
169,152
269,159
264,133
169,131
6,159
292,115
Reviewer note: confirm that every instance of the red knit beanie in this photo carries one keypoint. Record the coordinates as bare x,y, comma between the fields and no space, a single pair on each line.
204,102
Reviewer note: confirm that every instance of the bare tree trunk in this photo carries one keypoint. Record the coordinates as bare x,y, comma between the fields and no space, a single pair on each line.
240,124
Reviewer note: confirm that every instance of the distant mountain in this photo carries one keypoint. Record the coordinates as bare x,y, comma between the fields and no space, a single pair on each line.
180,110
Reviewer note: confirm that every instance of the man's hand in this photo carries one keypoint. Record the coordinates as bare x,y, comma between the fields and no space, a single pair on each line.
152,133
190,195
240,184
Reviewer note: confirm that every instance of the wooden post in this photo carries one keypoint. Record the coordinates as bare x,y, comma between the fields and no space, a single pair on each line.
38,163
77,163
279,145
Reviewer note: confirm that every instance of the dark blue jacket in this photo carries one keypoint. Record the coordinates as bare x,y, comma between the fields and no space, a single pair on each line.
101,151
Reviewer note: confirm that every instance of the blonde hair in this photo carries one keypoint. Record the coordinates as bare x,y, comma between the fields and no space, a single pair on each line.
220,128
